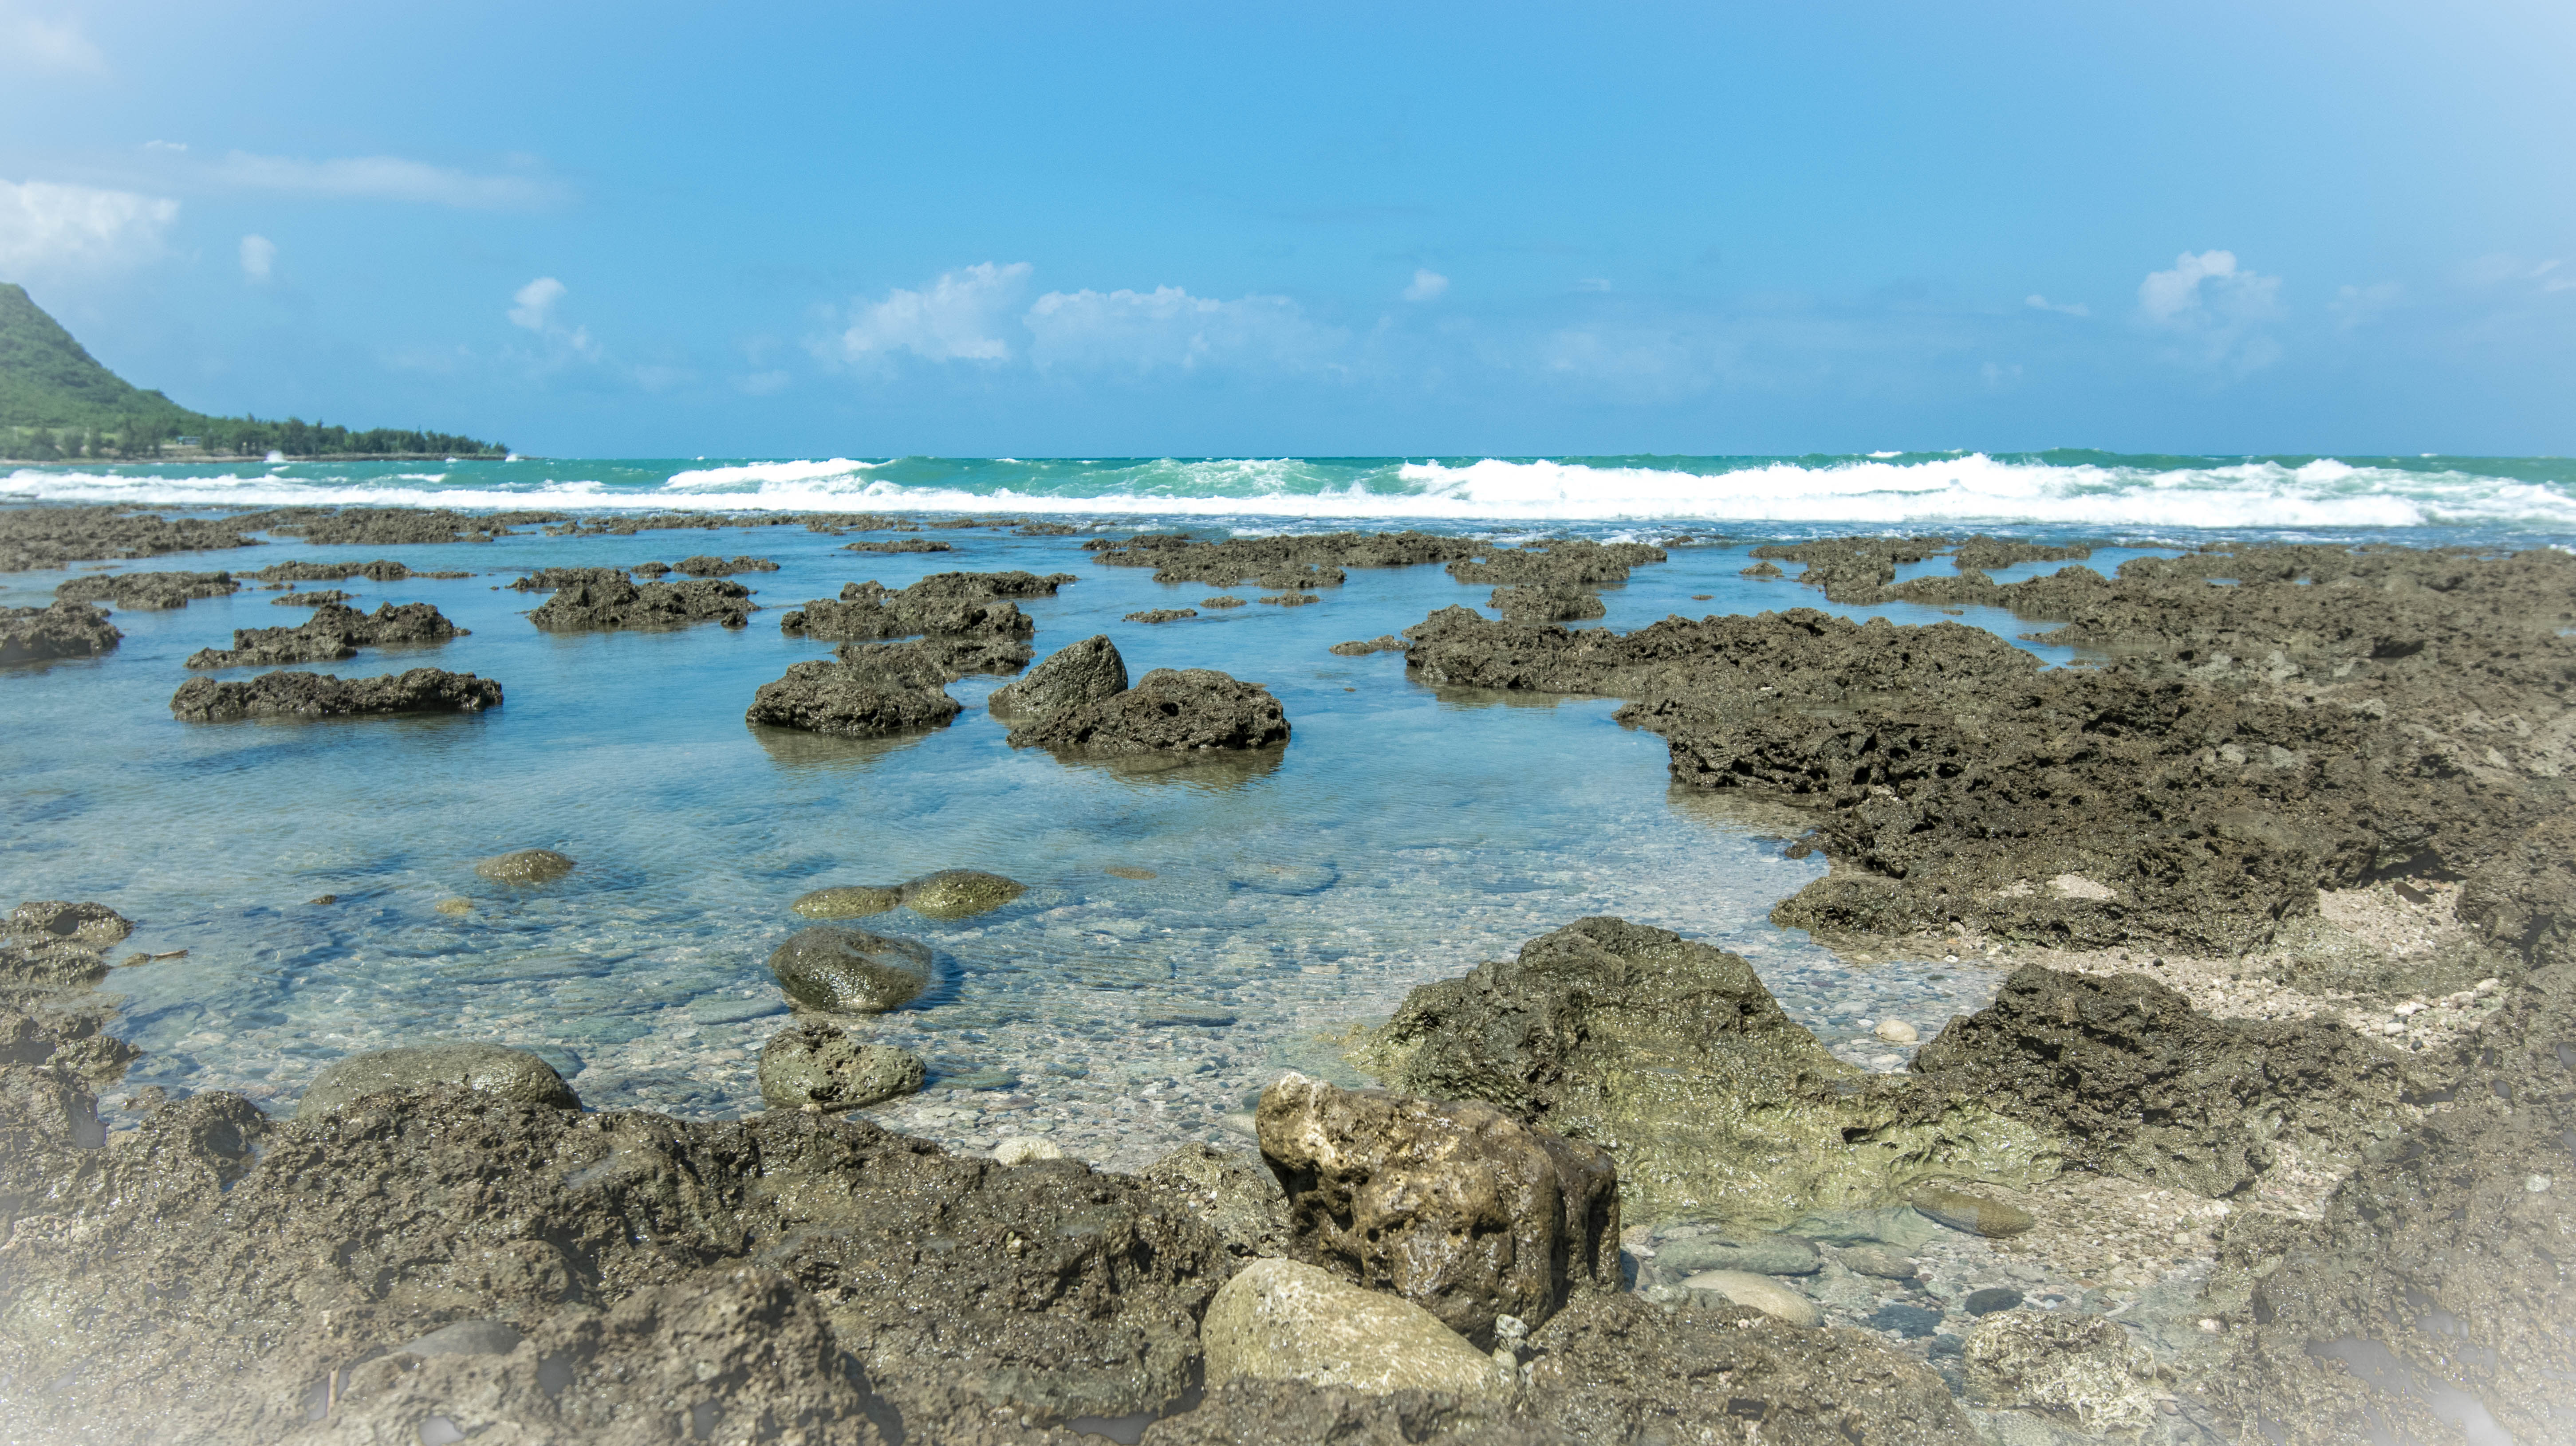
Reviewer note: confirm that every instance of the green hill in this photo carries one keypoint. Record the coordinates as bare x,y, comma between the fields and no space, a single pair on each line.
56,401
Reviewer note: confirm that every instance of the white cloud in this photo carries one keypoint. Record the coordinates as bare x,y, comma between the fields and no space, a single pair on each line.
45,226
1142,330
533,307
28,42
381,178
955,318
1593,283
1427,286
2214,310
2037,302
761,384
258,257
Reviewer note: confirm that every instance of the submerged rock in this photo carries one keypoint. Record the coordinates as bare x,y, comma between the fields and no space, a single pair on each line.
63,630
947,604
1759,1254
93,925
1967,1211
334,631
1277,562
313,695
1672,1055
527,866
1170,710
900,544
1089,671
1362,647
811,1063
1221,603
959,893
2082,1370
147,591
850,971
869,691
1160,615
45,537
1280,1320
606,600
1564,564
388,526
847,901
706,565
510,1074
1455,1206
1758,1292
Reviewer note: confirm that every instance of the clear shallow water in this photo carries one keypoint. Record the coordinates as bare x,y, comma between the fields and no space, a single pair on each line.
1404,835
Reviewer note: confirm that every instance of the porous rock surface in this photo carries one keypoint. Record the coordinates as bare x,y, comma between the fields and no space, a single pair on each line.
1282,1320
48,537
811,1063
944,604
847,901
1455,1206
850,971
1089,671
959,893
870,689
1276,562
1557,566
1233,1193
314,695
709,565
525,866
61,630
612,601
1545,603
511,1074
388,526
382,569
147,591
334,631
1169,710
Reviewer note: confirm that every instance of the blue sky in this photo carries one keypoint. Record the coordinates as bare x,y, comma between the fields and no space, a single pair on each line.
648,230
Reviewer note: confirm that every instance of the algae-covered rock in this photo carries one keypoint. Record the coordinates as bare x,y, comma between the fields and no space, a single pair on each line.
815,1064
1230,1192
959,893
1086,672
511,1074
1748,1251
1170,710
527,866
1281,1320
1672,1056
1965,1210
847,901
850,971
2082,1370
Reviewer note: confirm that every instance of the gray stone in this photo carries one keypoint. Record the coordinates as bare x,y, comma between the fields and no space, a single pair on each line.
1877,1261
1992,1299
527,866
1281,1320
95,925
1975,1214
847,901
1759,1254
815,1064
1087,672
959,893
1913,1322
1760,1292
1230,1192
512,1074
850,970
2082,1369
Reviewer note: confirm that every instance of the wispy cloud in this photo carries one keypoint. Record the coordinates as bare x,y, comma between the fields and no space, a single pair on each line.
258,257
31,42
2360,305
2214,310
958,317
2037,302
46,226
1595,284
532,308
382,178
1141,331
1427,286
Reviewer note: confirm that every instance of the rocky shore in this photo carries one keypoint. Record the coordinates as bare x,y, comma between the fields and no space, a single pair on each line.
2269,1134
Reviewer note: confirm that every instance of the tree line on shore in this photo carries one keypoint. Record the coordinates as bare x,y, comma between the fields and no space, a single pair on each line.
134,439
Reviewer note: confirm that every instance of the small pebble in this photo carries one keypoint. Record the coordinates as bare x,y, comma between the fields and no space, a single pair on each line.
454,906
1991,1299
1896,1031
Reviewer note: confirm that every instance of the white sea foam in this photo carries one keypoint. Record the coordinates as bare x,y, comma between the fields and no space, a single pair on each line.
756,476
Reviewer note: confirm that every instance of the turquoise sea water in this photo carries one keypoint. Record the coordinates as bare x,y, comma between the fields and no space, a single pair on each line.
1405,834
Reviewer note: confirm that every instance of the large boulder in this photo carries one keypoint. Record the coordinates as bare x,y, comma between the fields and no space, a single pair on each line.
606,599
64,630
1455,1206
1282,1320
818,1065
868,692
850,971
510,1074
335,631
1671,1054
1089,671
1170,710
315,695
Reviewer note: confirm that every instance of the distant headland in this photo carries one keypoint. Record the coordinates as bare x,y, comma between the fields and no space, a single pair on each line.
57,404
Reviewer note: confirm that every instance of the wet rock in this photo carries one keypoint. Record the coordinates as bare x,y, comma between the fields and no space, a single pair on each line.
1906,1322
707,565
551,579
959,893
899,544
2081,1370
383,569
2148,1087
527,866
1877,1261
869,691
1281,1320
1250,1412
1169,710
1542,603
1160,615
147,591
309,599
1221,603
466,1338
455,907
1970,1212
1671,1054
1853,567
1757,1292
1454,1206
948,605
1991,1299
1025,1150
1564,564
1758,1254
847,901
50,537
510,1074
93,925
815,1064
1614,1368
1089,671
1762,571
389,526
1895,1031
1277,562
312,695
1360,648
611,602
334,631
849,970
63,630
1228,1191
1289,599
